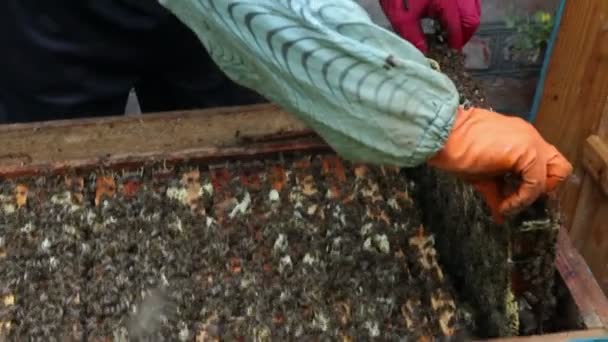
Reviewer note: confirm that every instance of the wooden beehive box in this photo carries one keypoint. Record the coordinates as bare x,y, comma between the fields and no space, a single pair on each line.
209,151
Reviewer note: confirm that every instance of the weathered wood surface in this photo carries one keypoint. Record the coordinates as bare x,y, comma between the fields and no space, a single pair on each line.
595,160
574,107
589,298
589,229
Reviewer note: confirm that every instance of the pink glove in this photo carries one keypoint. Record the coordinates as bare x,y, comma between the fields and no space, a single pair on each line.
406,21
470,17
459,18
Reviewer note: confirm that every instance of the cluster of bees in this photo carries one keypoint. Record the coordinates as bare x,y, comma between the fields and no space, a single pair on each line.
312,246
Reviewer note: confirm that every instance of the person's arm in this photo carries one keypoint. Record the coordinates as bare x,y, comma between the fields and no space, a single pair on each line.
371,95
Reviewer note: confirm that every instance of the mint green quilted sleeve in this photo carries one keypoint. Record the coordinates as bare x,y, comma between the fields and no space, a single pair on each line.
371,95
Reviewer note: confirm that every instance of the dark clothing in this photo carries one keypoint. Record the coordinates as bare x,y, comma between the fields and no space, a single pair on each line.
64,59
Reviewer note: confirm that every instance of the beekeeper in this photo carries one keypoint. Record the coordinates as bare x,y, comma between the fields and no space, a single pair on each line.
370,94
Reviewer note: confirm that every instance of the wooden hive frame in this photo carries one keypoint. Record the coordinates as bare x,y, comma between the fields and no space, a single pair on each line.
215,135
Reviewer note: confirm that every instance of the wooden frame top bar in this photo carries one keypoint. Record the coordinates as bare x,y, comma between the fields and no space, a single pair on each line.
45,147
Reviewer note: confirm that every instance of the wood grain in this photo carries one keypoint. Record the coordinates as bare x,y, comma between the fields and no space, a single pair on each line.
576,88
52,146
589,298
595,161
590,225
574,107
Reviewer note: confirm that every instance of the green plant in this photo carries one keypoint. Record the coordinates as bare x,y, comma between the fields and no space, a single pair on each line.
531,32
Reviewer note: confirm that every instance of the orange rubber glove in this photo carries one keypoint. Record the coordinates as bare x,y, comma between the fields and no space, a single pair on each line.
484,146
